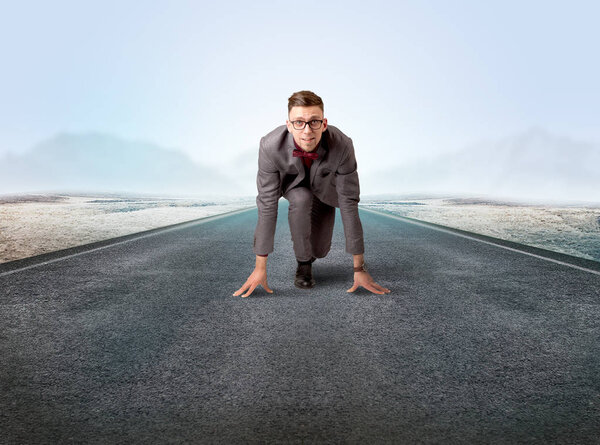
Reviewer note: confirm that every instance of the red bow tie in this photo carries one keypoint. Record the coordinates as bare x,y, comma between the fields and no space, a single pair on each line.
305,154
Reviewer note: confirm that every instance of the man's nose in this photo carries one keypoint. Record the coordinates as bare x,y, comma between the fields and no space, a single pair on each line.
307,128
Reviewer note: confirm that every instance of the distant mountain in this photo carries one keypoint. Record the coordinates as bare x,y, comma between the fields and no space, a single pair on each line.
103,163
531,165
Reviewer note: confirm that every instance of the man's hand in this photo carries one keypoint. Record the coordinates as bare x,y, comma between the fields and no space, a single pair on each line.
365,280
258,276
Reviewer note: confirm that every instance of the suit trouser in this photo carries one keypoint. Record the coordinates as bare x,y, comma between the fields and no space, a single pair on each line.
311,224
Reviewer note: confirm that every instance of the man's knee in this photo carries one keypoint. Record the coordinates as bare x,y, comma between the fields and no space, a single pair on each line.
321,251
299,198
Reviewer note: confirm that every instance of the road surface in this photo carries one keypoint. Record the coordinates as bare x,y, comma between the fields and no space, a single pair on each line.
139,340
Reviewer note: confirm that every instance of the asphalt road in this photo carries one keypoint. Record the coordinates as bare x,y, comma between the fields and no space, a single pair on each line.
140,341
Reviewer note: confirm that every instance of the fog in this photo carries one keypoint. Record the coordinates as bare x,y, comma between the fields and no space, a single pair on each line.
533,165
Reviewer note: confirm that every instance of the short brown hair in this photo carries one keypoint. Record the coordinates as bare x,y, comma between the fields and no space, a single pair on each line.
304,98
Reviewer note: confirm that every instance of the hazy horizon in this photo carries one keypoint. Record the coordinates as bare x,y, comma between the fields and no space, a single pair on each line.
552,168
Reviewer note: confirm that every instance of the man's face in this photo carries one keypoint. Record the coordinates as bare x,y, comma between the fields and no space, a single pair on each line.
308,138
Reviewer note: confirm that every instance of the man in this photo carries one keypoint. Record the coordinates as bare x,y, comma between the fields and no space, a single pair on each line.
312,165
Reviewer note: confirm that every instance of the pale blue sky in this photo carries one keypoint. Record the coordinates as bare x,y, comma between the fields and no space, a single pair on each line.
404,79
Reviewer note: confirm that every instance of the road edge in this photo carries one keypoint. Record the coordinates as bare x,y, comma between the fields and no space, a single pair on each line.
550,255
10,267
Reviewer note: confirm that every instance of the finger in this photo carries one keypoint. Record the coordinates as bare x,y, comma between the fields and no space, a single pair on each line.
353,288
373,289
267,288
241,289
250,290
381,288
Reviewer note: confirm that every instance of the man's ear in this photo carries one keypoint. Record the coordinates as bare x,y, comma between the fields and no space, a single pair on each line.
324,123
288,124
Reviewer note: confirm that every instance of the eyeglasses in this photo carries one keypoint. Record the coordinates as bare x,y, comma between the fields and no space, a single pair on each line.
314,124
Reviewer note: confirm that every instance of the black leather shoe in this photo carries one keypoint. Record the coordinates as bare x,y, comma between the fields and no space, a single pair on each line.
304,279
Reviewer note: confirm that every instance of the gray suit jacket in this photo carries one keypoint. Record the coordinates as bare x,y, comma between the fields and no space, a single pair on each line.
333,179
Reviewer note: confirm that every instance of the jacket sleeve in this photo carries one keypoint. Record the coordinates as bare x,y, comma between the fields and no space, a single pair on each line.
348,190
268,183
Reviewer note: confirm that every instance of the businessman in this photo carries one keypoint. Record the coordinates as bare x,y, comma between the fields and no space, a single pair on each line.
312,165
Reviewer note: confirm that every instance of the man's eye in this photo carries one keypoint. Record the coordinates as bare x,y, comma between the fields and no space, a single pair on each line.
314,123
298,123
